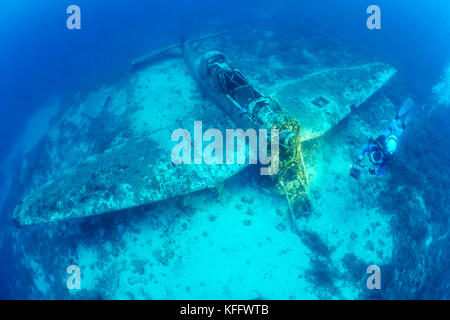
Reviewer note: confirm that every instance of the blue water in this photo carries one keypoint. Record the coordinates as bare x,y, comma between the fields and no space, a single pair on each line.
37,45
40,58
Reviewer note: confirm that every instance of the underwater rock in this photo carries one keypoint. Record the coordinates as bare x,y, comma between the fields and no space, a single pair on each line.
441,91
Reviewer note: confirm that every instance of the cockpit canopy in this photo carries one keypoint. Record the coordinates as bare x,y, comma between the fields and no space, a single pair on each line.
227,79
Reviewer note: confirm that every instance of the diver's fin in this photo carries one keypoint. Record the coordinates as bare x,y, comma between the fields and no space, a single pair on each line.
320,100
407,112
406,107
409,116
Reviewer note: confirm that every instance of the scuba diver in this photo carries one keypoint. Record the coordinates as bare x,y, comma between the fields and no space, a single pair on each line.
381,151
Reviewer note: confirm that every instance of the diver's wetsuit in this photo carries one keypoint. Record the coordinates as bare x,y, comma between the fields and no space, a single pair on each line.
377,150
382,149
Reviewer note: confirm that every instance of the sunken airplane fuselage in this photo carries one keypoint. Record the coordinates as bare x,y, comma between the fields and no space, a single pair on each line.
113,150
226,86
